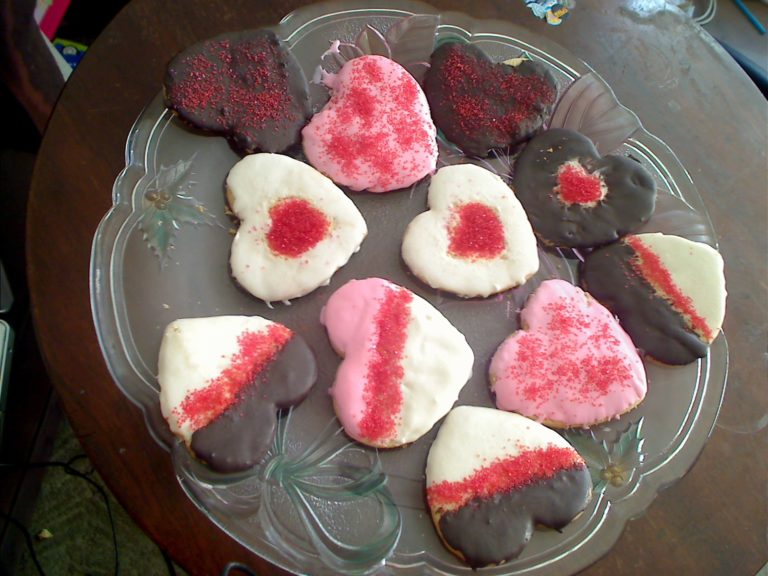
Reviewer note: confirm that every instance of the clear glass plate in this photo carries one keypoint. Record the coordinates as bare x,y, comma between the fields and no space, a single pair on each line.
320,504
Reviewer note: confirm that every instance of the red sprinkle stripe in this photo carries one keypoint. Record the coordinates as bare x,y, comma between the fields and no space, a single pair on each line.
255,351
504,475
650,267
383,396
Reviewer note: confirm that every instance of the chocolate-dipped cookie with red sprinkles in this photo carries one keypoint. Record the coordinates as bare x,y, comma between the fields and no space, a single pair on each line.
480,105
246,86
493,476
576,198
222,380
667,291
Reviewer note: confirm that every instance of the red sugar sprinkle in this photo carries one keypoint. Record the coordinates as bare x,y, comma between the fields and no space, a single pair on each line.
376,124
241,83
476,232
576,185
297,226
650,267
255,351
557,363
382,394
490,97
505,475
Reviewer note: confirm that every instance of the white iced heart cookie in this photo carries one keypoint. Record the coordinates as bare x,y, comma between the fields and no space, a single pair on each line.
296,227
475,239
404,362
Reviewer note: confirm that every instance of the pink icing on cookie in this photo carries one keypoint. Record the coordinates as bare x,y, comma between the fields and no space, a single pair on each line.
376,132
572,365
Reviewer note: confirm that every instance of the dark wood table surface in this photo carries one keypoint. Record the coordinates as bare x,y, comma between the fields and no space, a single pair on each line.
686,90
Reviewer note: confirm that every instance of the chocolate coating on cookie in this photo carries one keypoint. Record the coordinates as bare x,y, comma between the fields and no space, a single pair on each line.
240,437
651,321
480,105
553,502
580,220
246,86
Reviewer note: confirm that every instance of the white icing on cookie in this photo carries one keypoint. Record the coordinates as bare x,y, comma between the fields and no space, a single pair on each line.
472,437
475,239
193,353
697,271
296,227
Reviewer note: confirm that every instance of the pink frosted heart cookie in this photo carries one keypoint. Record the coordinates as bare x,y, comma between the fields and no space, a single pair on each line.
668,292
222,379
296,227
572,365
492,476
376,132
475,239
404,362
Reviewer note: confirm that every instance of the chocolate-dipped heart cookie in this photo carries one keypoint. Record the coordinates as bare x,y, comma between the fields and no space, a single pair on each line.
576,198
223,378
480,105
668,292
246,86
492,476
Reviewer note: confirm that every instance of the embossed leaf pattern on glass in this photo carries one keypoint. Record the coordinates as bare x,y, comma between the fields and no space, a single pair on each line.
166,205
299,491
589,106
611,461
370,41
412,41
409,42
674,216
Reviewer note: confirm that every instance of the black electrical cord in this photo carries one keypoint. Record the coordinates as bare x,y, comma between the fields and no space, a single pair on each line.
69,469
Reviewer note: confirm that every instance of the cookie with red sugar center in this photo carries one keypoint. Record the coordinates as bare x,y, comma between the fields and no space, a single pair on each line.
475,239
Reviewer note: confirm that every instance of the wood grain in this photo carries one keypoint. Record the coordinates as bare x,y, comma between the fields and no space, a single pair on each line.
680,83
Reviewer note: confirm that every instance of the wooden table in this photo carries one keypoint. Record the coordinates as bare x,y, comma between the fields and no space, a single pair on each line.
671,73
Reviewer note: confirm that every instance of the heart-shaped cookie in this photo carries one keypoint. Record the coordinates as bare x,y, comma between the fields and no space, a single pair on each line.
475,239
296,227
576,198
223,378
571,365
375,133
668,292
492,476
404,362
481,106
246,86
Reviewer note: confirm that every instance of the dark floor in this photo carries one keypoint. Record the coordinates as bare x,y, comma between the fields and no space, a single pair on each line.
60,514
